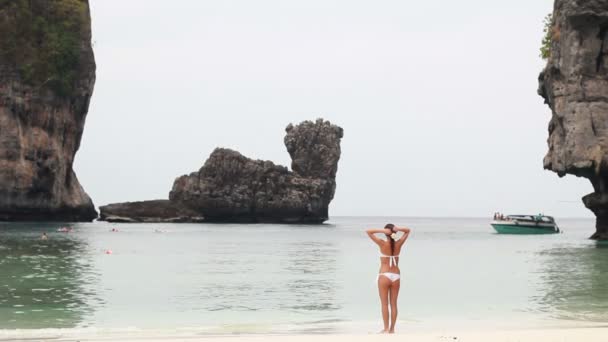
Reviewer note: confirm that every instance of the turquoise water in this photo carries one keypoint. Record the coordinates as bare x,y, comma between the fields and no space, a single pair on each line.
216,279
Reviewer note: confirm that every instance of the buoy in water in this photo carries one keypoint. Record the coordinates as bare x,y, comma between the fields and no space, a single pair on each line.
108,251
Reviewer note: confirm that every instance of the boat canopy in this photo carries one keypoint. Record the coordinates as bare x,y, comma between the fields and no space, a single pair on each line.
535,218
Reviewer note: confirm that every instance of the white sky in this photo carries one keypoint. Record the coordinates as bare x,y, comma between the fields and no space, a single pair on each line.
437,99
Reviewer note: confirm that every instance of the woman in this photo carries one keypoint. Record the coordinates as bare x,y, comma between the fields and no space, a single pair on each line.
389,275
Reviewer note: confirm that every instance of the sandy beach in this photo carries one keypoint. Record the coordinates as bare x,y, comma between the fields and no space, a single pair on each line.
530,335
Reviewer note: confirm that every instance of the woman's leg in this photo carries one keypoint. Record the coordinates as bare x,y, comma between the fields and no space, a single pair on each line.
394,293
383,286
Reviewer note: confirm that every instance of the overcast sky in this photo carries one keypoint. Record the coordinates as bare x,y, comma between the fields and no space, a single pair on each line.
437,99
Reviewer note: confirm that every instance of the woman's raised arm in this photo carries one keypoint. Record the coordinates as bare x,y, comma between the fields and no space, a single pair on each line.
406,233
403,229
372,231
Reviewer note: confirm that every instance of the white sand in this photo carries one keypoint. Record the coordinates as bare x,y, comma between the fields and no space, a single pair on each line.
531,335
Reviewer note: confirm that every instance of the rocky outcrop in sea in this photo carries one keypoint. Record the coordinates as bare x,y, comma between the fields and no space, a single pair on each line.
575,85
148,211
230,187
47,74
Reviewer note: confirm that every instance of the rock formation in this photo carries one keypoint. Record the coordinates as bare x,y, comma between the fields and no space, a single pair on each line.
233,188
47,73
148,211
575,85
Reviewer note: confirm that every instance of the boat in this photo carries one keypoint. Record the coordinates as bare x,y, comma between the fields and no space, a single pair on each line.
525,224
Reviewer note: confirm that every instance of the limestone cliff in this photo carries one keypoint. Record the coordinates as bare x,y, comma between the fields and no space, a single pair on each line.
47,74
575,85
233,188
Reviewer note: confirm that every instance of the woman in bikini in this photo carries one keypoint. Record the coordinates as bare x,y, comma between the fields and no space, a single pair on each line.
389,275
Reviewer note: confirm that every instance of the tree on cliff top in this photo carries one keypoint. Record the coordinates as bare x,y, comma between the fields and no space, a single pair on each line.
41,41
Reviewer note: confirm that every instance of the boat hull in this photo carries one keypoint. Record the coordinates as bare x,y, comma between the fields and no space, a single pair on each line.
522,229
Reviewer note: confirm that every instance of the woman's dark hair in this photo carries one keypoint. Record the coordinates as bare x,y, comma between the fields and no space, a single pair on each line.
392,228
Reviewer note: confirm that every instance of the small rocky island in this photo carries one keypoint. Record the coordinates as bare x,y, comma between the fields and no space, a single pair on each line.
47,74
575,85
233,188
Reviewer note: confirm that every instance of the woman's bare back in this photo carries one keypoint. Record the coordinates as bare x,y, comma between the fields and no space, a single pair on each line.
385,263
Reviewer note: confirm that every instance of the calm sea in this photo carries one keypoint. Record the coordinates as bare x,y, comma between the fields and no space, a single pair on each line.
235,278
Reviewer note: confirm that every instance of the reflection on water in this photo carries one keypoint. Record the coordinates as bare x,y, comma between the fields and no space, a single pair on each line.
269,277
313,284
43,283
575,282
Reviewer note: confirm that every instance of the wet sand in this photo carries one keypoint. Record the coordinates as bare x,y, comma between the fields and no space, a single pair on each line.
530,335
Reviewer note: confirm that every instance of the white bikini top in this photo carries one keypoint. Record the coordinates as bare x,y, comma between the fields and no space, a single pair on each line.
392,261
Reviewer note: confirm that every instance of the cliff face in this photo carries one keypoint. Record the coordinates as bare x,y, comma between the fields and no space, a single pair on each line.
231,187
575,86
47,74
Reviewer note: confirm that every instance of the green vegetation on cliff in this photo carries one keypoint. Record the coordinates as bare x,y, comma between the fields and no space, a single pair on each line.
41,40
549,32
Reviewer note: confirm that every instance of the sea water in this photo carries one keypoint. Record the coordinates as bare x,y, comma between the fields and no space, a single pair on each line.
263,278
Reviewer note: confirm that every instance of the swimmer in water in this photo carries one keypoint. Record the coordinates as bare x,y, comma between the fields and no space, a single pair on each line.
44,236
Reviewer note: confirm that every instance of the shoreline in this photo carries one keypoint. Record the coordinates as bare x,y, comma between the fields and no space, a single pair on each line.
479,332
587,334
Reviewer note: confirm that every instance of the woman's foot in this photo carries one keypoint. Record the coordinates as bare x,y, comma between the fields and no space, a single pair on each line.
383,331
392,331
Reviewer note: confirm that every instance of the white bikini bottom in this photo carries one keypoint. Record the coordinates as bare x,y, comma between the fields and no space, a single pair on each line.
393,277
